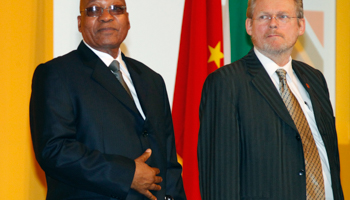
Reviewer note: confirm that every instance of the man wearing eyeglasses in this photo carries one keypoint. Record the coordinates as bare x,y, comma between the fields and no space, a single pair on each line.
100,121
267,129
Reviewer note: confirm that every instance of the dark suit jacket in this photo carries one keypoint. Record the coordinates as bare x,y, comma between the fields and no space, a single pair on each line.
248,146
87,131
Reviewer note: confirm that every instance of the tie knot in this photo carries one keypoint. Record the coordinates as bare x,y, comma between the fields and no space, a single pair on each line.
281,73
114,66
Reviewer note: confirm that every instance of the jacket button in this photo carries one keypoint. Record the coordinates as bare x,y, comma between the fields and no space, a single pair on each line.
301,172
145,133
297,137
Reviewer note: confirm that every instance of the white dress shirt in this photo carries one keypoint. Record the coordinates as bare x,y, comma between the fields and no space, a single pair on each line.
108,59
304,100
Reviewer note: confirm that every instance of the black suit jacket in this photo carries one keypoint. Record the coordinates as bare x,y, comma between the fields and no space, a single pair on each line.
248,146
87,131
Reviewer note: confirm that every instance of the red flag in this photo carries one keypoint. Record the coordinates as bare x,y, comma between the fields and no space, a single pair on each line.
201,52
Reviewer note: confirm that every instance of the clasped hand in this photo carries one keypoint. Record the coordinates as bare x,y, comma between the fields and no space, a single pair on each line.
145,178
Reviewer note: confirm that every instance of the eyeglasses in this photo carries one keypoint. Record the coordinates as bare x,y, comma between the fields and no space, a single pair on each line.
96,11
264,19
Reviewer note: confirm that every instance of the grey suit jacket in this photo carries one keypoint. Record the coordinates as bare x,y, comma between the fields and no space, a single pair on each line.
87,131
248,145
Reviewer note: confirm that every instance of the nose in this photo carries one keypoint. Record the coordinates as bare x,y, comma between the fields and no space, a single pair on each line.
106,16
273,22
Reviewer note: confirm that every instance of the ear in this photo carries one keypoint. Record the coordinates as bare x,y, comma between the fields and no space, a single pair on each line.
127,15
301,26
248,25
79,23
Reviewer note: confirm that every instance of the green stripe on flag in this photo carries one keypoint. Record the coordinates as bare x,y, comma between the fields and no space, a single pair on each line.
240,40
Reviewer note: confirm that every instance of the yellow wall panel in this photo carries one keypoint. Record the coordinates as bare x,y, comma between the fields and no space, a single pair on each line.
26,39
343,91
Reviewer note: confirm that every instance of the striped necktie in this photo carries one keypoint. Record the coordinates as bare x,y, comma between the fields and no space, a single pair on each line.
313,167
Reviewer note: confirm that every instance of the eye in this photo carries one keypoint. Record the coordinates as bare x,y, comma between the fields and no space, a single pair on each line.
264,17
117,10
283,17
93,11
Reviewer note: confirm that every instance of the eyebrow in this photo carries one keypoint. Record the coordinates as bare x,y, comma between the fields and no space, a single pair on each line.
119,3
278,13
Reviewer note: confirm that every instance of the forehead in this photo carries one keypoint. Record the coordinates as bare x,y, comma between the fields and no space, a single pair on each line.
85,3
274,6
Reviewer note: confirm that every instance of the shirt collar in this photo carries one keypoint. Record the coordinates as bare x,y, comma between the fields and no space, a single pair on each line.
271,67
105,57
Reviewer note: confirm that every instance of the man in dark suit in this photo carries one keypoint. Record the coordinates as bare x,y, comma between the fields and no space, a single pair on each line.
267,129
101,122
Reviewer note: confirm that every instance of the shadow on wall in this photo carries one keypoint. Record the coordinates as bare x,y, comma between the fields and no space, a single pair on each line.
124,49
344,150
39,176
306,51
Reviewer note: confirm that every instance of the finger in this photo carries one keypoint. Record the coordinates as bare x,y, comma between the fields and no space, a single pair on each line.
155,187
156,170
144,157
149,195
158,179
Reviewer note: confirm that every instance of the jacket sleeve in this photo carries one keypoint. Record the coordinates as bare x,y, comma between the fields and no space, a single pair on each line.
59,153
218,139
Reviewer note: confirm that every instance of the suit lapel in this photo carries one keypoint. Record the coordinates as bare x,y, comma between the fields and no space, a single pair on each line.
317,108
262,82
102,75
139,83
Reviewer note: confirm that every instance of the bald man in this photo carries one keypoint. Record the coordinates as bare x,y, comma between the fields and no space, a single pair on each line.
100,121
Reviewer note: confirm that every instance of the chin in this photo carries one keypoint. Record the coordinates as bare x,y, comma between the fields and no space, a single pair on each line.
110,43
276,48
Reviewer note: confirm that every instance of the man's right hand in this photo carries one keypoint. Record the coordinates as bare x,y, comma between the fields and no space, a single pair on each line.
145,178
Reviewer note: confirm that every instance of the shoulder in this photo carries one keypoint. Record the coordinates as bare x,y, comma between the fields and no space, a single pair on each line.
68,58
57,68
233,71
226,80
313,77
308,71
58,63
240,68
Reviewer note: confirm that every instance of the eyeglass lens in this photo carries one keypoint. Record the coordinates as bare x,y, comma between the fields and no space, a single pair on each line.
95,11
279,18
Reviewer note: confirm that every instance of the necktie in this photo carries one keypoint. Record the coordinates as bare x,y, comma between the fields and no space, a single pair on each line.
313,167
115,68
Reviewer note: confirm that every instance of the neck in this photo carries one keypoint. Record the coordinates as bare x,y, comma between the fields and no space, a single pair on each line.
113,52
280,58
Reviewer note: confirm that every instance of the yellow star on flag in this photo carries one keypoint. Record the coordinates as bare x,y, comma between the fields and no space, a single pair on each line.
215,54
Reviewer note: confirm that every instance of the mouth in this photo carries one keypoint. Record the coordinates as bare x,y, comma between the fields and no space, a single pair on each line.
273,35
107,29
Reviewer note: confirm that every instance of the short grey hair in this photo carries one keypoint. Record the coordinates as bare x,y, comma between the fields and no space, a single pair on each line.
298,4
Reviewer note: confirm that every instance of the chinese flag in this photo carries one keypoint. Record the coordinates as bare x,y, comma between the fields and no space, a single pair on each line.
201,52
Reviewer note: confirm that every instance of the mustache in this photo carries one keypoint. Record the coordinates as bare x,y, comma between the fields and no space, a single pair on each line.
274,33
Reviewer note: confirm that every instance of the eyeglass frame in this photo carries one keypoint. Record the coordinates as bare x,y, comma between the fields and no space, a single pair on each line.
277,18
103,9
